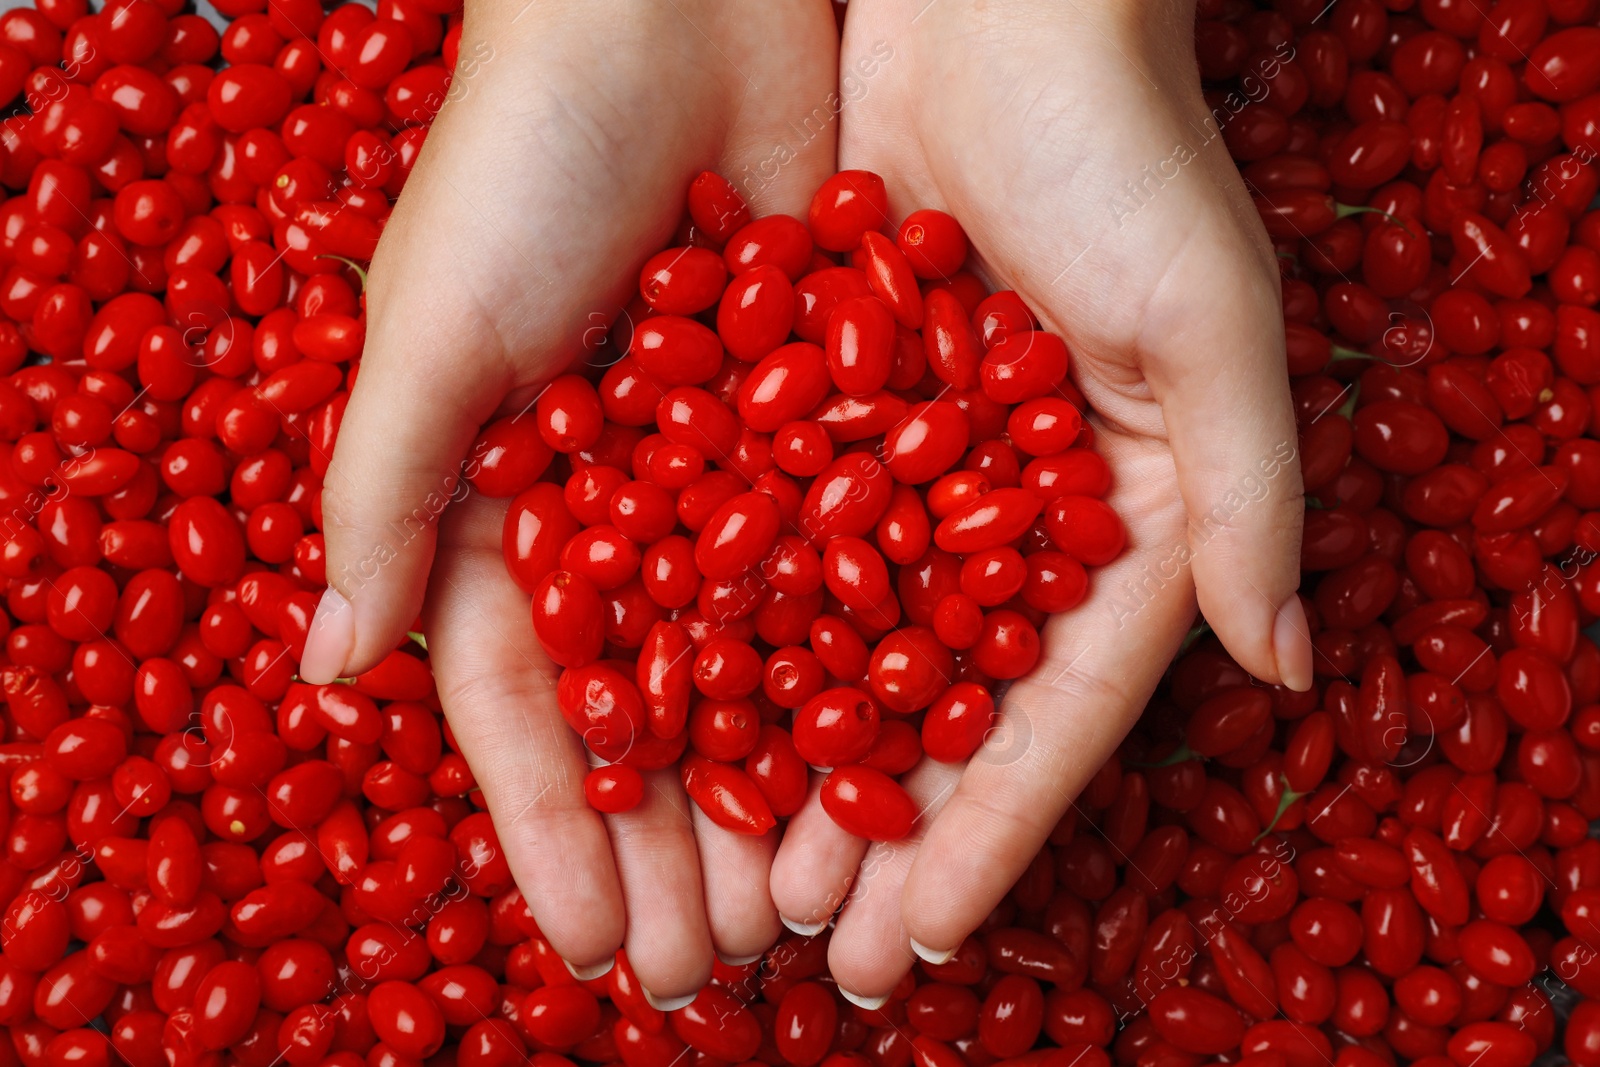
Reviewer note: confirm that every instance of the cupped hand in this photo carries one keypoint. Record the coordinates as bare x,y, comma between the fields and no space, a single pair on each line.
558,164
1072,142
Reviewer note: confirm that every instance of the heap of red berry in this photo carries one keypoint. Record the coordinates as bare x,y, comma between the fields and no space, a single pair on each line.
786,540
207,862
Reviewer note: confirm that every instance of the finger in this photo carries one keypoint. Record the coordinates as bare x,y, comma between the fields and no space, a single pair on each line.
784,144
433,370
1215,362
411,419
498,692
737,872
1058,725
814,867
871,949
669,941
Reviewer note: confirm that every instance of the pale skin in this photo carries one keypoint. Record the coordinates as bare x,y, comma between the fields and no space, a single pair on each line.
549,178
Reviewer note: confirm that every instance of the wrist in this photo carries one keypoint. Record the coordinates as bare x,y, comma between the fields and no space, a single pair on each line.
602,21
1149,26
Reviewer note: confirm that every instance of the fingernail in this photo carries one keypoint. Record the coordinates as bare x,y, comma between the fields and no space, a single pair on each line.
584,974
330,640
805,929
864,1003
931,955
739,961
666,1003
1291,645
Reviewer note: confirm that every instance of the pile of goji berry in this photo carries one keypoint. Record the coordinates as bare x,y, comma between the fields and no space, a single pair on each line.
962,455
207,861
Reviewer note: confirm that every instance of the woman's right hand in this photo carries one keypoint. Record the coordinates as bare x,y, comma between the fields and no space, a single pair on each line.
1030,121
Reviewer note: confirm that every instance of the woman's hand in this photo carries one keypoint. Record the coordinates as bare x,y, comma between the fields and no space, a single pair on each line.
1071,141
557,167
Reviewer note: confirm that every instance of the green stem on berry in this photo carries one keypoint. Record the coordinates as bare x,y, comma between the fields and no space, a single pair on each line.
1344,211
1348,408
361,272
1341,354
1182,754
1196,632
418,638
1285,802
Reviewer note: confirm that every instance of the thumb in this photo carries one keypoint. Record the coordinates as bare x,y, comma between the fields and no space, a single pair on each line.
1219,373
433,370
429,380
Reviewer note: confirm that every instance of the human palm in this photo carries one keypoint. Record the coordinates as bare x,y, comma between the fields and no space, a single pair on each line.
1038,126
558,165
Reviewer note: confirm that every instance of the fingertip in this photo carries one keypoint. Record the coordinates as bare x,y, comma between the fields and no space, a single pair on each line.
815,866
980,842
423,403
561,857
1246,575
1246,628
1291,644
679,987
587,940
934,923
329,640
380,617
865,1003
934,956
668,936
593,971
868,953
737,872
667,1004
